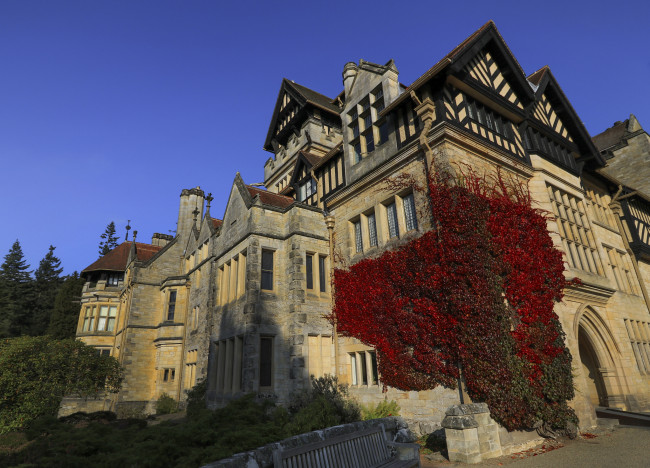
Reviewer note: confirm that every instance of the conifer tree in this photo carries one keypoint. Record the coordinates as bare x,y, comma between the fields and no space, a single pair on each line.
109,239
46,286
65,315
16,292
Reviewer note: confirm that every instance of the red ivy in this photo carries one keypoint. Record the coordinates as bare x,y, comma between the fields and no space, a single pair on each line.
477,293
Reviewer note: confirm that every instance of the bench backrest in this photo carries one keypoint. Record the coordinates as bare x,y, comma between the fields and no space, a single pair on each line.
355,450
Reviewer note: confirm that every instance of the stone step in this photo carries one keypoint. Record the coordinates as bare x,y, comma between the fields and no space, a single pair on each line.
627,418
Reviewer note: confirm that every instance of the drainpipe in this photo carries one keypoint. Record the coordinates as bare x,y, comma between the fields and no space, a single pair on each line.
615,206
329,222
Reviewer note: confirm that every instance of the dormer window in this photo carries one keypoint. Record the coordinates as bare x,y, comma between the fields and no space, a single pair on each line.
306,189
113,279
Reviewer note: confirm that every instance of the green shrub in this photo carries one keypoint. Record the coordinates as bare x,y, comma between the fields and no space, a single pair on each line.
196,399
37,372
383,409
166,404
325,404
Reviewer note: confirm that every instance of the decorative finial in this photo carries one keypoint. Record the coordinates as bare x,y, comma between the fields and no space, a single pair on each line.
209,199
135,234
128,228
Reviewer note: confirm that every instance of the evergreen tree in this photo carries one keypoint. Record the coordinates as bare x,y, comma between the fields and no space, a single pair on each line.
65,315
109,240
46,286
16,291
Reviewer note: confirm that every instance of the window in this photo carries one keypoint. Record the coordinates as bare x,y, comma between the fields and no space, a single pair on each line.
409,212
306,189
622,269
229,364
366,128
639,334
393,227
232,279
266,361
363,368
357,236
103,352
171,306
321,272
600,208
113,279
370,142
89,319
190,369
169,375
372,230
488,119
574,229
267,270
106,321
357,153
383,133
310,271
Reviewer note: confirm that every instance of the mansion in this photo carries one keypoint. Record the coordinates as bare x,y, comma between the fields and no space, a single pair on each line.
242,301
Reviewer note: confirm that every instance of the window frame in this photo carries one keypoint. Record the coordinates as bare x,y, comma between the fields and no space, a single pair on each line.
267,272
266,361
171,305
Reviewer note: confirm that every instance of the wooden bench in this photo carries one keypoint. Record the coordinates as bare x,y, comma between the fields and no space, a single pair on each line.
365,449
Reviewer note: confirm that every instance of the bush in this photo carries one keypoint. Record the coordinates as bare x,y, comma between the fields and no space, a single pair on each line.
383,409
166,404
37,372
325,404
196,399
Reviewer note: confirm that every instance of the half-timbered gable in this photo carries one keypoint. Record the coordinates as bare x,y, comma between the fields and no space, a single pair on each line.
553,129
330,172
303,183
482,120
483,69
303,120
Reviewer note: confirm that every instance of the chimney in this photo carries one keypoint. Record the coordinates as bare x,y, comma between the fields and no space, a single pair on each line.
191,199
161,239
350,71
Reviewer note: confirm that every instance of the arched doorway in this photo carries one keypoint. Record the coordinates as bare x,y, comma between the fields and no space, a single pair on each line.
596,392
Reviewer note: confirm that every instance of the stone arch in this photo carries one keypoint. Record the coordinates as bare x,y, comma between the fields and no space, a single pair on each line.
599,355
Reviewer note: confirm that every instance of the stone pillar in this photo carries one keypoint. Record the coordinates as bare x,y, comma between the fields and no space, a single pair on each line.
471,433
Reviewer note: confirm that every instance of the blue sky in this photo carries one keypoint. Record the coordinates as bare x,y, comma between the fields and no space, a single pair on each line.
108,109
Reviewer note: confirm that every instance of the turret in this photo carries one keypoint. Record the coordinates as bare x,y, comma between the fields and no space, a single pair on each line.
350,71
191,199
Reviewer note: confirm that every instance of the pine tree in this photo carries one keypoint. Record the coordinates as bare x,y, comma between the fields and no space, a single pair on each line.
16,291
65,315
46,286
109,240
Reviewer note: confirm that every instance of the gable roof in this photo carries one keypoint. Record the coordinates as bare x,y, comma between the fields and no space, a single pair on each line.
612,136
216,223
308,160
116,259
315,98
537,76
303,97
460,56
270,198
548,86
330,154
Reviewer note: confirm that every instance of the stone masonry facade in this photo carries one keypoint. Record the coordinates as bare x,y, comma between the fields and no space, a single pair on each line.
242,302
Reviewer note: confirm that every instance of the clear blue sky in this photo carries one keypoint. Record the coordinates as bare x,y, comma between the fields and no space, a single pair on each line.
109,108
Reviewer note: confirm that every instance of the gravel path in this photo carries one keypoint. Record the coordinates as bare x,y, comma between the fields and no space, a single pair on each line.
623,447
